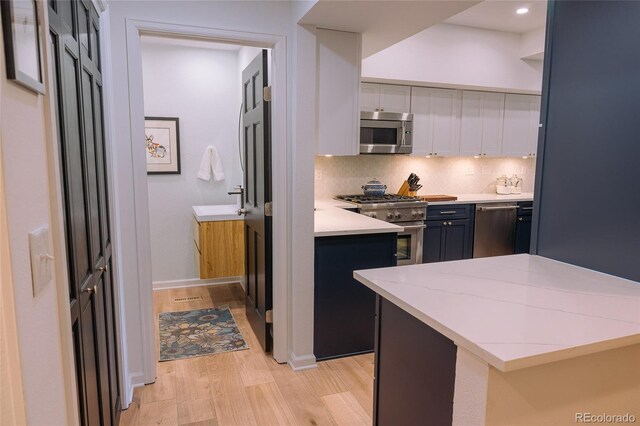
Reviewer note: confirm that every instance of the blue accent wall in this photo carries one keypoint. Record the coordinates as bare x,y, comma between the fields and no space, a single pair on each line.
587,208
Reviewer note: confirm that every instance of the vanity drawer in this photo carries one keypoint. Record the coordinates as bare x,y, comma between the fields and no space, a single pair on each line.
449,211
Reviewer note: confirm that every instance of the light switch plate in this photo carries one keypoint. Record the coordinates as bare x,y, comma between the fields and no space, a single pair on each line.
41,259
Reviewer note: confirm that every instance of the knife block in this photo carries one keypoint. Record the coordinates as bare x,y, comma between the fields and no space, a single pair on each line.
404,189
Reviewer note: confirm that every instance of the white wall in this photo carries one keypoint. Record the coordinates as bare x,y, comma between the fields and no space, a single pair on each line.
446,175
12,409
458,55
200,87
25,168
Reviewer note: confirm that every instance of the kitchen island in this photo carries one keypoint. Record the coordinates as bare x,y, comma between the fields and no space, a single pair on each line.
344,310
510,340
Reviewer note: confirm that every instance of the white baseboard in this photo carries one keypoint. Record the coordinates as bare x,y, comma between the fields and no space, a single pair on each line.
136,380
305,362
196,282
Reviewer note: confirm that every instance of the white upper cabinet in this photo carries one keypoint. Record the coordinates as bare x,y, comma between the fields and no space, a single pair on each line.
481,123
436,121
385,97
521,118
369,97
339,59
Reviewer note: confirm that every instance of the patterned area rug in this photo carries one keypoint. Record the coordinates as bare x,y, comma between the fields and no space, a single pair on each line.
200,332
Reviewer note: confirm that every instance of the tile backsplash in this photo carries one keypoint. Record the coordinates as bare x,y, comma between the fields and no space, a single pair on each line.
455,175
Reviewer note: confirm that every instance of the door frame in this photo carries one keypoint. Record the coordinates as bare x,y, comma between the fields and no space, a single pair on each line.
280,154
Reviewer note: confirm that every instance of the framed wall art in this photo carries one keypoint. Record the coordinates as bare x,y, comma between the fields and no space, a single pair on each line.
22,43
162,140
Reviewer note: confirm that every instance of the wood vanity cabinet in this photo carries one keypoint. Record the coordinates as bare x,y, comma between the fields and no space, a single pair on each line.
219,248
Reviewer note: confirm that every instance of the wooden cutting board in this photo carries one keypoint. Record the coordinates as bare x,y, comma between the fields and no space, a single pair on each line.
438,197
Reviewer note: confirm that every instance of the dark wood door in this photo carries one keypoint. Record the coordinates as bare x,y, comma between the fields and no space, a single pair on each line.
257,179
75,46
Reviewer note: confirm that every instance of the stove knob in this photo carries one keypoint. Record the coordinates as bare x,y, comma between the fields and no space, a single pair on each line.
414,214
422,214
373,215
389,215
398,215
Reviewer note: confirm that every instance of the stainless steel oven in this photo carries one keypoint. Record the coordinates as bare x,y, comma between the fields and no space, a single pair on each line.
410,243
408,212
386,133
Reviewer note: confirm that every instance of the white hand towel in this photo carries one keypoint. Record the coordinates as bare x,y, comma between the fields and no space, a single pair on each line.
211,162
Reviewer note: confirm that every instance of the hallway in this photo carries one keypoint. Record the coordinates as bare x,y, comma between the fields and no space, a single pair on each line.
248,387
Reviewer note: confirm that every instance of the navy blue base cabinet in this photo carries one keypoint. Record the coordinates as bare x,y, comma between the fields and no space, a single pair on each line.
449,233
344,309
415,371
523,227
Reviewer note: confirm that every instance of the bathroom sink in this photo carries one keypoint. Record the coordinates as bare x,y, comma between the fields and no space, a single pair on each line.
216,212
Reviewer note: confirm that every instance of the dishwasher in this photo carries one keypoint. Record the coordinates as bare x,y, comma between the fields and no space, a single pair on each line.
495,229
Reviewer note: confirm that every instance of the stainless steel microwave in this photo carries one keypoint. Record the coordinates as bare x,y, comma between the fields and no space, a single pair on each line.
386,133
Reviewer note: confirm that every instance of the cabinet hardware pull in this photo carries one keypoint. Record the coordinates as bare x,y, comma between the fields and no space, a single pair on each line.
448,212
90,290
444,223
485,209
527,208
104,268
449,223
520,219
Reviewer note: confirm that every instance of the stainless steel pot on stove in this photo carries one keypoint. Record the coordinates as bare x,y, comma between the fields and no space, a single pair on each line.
374,188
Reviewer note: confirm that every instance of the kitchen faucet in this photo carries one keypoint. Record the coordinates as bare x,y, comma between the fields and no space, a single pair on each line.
239,191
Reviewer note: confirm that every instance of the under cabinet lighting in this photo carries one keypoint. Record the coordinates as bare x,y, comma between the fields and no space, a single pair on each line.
328,155
427,156
476,156
525,156
522,10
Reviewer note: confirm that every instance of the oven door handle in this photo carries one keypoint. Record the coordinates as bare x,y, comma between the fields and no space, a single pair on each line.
412,227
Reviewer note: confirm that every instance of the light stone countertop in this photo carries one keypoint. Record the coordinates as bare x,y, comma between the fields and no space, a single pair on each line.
516,311
484,198
332,220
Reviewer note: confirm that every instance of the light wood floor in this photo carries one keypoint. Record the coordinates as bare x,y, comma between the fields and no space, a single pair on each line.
248,387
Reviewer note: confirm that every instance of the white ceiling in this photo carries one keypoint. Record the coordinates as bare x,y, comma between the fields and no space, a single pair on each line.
186,42
382,22
501,15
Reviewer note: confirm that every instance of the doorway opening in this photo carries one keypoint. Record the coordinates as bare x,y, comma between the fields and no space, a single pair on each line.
136,31
201,155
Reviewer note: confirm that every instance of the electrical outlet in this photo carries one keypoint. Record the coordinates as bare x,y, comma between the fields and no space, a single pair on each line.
470,170
41,259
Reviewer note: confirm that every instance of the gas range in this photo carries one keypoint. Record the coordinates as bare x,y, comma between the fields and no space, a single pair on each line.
389,207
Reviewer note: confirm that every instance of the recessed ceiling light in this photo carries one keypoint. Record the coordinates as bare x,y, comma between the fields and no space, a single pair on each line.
522,10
